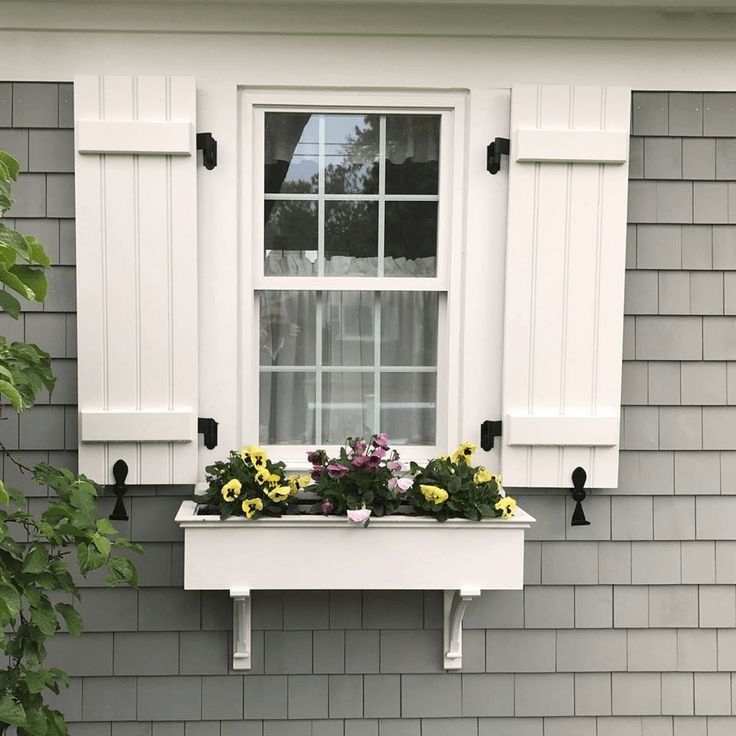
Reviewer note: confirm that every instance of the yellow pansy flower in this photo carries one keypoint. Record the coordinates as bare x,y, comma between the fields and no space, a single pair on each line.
251,505
273,479
464,452
279,494
231,490
507,507
245,453
482,476
258,457
433,494
262,476
298,482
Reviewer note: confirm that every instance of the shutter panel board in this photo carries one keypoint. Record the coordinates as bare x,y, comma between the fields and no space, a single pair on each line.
136,282
565,257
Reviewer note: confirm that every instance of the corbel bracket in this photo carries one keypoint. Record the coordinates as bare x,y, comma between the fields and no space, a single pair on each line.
455,604
241,629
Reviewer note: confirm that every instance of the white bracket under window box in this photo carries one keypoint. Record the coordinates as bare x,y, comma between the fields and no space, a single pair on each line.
458,556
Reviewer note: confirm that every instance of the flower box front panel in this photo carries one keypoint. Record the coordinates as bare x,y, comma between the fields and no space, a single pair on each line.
328,553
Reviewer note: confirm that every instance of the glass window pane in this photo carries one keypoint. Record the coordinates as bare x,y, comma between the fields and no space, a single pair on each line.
348,402
412,154
351,238
409,328
351,154
288,328
348,328
290,236
411,239
409,407
286,408
291,152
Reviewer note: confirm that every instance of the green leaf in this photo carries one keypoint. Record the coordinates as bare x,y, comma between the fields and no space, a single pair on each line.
4,497
33,278
103,544
10,597
105,526
11,164
36,559
10,304
11,712
72,619
121,570
7,389
45,619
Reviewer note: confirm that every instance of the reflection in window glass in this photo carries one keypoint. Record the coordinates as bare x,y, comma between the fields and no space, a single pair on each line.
351,154
331,178
351,238
291,152
290,238
288,322
412,154
411,234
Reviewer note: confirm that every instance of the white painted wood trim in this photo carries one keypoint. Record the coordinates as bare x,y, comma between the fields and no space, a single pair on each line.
136,426
135,137
571,146
583,431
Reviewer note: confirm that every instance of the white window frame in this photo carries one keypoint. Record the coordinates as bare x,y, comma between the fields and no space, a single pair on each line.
451,106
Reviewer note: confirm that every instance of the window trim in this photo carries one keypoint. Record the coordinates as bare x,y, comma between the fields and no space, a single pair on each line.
451,104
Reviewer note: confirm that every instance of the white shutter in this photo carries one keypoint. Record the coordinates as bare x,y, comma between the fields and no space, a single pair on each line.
135,179
565,258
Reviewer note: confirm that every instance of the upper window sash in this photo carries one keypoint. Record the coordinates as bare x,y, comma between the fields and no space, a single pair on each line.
439,282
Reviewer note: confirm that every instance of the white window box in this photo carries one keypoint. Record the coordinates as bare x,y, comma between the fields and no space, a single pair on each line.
459,556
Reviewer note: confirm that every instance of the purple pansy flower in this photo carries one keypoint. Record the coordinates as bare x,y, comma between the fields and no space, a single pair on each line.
336,471
360,461
381,440
327,508
373,461
314,457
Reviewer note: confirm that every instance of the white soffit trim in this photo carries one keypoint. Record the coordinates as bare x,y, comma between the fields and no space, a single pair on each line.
571,146
135,137
136,426
561,430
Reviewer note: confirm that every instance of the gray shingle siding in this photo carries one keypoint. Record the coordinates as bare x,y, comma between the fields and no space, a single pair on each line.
625,628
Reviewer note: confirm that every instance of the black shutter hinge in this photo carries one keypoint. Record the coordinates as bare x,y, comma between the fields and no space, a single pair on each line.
208,145
208,427
488,432
499,147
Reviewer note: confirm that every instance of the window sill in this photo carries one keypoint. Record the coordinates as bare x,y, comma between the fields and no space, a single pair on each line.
405,553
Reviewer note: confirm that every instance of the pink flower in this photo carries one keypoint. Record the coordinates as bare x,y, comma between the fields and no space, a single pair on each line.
314,457
359,447
394,465
373,461
316,472
360,461
336,471
381,440
359,516
379,452
402,485
327,508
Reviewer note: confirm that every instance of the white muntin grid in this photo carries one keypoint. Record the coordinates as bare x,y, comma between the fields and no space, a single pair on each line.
448,107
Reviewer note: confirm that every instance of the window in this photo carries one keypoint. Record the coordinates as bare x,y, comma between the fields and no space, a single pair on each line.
352,244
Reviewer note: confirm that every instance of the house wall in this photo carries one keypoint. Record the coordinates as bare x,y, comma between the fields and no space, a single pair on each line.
624,628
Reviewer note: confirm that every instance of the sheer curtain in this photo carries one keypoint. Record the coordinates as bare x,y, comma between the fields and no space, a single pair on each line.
348,363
